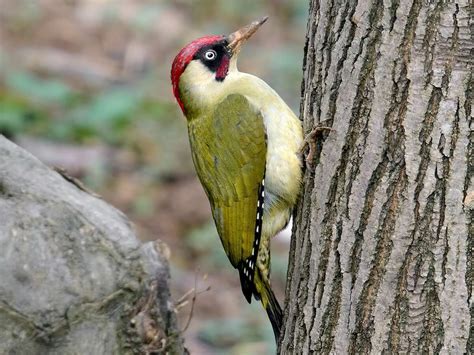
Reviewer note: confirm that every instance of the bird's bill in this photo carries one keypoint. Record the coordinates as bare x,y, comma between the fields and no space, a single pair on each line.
237,38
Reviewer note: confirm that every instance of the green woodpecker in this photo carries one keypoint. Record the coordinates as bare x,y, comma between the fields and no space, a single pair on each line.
245,145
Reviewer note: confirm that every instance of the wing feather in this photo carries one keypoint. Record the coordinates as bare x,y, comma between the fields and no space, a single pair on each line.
229,152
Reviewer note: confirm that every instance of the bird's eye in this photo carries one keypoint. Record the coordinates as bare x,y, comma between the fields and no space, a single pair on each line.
210,54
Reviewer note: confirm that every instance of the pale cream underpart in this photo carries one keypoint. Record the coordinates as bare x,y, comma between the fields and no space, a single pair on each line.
283,168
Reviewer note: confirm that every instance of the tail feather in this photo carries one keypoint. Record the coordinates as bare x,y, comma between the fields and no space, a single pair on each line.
270,303
275,314
260,288
246,283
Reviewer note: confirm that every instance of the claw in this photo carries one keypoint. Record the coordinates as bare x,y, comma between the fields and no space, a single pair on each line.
310,140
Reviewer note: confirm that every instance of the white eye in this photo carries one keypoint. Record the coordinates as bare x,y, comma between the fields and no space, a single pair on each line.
210,54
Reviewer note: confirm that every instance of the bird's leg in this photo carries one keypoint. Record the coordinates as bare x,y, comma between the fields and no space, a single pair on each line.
310,141
263,259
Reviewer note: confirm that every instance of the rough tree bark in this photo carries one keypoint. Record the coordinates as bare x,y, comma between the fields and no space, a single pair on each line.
382,254
74,279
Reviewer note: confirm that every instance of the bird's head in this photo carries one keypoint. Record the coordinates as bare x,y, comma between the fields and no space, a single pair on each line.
208,60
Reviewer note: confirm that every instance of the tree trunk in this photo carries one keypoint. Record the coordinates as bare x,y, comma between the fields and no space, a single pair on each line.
382,254
74,279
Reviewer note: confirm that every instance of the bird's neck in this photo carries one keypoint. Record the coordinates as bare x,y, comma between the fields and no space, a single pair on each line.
201,92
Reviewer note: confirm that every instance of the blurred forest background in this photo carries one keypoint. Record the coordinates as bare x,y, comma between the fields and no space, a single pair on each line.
84,85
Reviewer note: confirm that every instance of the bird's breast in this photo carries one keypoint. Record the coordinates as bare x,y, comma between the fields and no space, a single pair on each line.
283,163
284,139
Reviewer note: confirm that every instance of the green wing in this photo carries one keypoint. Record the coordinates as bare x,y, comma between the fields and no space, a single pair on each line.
229,153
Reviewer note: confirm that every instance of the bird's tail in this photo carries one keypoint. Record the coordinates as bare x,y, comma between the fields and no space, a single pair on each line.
270,303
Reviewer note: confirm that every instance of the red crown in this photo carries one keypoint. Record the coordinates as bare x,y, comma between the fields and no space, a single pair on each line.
183,58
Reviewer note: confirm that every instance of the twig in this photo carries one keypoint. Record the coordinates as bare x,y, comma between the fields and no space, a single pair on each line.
183,301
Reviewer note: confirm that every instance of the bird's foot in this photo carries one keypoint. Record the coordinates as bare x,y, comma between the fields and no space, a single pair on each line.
310,141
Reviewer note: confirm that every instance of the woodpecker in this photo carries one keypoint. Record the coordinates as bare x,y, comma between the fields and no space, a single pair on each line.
245,144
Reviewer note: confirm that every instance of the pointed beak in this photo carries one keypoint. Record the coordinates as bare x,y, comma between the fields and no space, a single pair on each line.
237,38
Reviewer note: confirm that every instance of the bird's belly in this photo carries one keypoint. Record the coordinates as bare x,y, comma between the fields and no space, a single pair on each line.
283,164
283,168
283,174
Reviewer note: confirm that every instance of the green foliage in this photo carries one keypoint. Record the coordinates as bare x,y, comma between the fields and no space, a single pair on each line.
124,116
107,115
13,117
46,92
119,115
